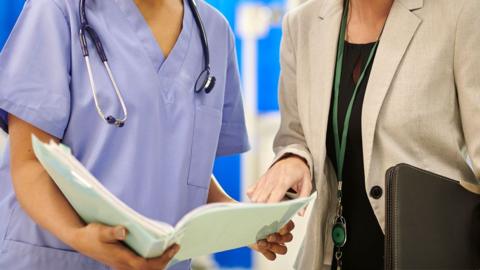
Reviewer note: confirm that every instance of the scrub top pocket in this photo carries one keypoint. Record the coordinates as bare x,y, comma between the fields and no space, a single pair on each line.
208,122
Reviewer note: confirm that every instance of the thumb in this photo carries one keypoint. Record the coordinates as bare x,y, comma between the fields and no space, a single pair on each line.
251,190
305,191
112,234
306,187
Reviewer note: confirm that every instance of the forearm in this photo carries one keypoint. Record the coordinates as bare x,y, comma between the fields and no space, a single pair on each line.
216,194
35,191
43,202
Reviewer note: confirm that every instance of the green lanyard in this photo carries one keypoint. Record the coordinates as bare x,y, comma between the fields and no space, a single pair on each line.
340,147
339,231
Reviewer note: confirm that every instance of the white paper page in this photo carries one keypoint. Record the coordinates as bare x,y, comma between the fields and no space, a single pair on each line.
214,228
83,176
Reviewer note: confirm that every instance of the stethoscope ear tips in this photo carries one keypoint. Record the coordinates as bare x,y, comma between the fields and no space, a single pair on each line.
205,82
112,121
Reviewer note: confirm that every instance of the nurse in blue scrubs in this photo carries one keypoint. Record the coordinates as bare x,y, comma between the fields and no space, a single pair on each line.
148,122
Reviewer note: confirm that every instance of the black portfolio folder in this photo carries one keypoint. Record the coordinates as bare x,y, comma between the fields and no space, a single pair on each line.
432,222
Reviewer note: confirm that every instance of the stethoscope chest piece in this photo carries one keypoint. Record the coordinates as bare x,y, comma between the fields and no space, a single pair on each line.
211,81
205,82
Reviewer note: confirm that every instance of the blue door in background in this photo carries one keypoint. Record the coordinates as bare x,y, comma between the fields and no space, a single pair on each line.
9,10
228,169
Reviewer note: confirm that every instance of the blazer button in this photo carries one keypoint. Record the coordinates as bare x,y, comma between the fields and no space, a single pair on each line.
376,192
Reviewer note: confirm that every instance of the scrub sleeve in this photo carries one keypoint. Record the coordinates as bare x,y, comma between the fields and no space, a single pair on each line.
35,69
34,86
233,133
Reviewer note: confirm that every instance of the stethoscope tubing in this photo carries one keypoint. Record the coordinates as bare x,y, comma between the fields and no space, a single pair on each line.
205,82
109,119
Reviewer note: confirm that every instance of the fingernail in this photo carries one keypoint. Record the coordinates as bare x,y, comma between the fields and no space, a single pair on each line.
173,251
120,233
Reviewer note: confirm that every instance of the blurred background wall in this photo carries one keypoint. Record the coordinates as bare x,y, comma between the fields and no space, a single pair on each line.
257,25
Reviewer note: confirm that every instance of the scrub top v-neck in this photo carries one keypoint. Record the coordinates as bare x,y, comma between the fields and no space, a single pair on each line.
166,66
161,161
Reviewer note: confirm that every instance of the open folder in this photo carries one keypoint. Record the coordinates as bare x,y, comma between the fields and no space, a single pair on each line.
205,230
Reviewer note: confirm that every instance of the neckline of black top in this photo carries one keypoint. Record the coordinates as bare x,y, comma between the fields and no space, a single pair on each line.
360,44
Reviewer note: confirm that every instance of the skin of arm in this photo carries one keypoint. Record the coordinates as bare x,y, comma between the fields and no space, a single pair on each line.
35,190
29,175
33,186
41,199
216,193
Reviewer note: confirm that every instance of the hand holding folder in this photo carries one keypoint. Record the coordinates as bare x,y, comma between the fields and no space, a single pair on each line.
205,230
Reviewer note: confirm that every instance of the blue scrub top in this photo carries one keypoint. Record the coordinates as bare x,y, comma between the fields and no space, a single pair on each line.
160,163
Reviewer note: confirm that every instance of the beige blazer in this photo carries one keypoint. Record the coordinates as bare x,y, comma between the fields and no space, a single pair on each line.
422,104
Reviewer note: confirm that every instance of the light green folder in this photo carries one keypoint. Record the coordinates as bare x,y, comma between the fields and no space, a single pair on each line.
205,230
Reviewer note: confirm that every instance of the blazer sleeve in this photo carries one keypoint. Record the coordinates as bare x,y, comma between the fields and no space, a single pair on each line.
467,78
290,139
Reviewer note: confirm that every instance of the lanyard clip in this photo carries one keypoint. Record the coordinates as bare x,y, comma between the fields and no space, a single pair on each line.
339,210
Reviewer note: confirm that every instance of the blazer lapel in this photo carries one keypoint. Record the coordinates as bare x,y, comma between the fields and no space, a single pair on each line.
400,29
323,39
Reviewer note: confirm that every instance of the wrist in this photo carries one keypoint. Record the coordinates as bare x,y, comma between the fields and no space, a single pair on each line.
291,156
70,236
294,157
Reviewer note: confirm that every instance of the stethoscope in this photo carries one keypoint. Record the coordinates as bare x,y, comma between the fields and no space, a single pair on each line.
205,81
